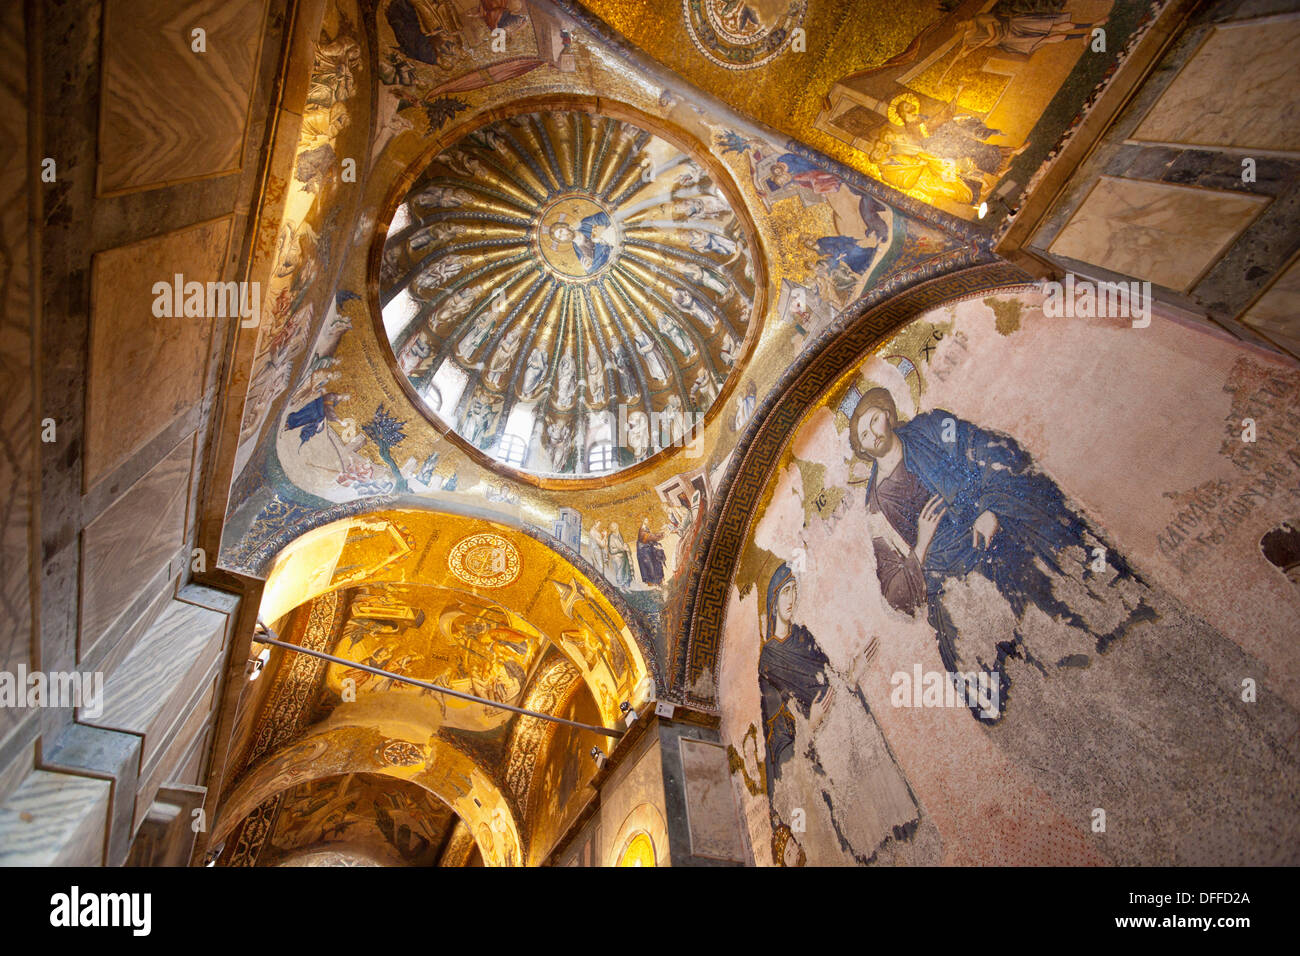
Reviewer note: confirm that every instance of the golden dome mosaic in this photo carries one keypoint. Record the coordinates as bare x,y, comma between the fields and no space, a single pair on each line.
569,292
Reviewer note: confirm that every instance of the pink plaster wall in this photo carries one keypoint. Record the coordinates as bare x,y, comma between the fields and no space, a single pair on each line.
1122,419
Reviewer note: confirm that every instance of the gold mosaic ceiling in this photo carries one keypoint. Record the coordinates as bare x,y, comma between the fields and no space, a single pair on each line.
478,608
569,292
938,99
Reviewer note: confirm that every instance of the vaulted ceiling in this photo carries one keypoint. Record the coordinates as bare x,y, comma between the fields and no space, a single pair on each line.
550,267
490,614
531,270
947,101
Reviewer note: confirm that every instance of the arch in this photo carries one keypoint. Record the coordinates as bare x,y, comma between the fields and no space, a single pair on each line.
742,486
410,547
638,851
644,820
416,594
396,744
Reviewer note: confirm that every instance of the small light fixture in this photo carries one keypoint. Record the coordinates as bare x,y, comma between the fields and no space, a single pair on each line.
999,199
255,664
629,715
600,758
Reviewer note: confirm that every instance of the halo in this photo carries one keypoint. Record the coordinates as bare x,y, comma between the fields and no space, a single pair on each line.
902,98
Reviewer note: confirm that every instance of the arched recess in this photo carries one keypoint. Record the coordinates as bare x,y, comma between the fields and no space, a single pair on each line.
473,605
539,588
395,743
643,821
743,485
851,695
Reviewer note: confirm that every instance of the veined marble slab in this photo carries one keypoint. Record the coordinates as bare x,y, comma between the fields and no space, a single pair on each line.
166,765
146,371
1239,90
1168,234
135,538
711,811
150,688
172,113
17,415
1277,312
54,819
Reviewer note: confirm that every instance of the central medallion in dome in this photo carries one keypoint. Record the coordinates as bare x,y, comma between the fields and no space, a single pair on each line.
578,237
568,292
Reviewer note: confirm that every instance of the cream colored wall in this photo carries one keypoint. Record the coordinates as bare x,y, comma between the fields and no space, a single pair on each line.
156,148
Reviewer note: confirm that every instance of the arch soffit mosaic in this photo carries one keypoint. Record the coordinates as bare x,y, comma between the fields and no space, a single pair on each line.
398,748
423,564
496,661
416,577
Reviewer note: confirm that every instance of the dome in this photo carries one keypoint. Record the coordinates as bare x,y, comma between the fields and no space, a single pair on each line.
568,292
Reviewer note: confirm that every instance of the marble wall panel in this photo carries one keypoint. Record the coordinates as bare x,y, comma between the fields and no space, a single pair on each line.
1277,312
145,371
1238,90
166,764
149,691
126,546
170,112
1167,234
710,804
17,411
55,819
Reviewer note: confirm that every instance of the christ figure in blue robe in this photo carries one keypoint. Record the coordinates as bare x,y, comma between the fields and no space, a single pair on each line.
591,252
950,499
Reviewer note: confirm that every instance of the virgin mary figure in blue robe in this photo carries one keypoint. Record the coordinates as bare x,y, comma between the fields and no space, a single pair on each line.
794,676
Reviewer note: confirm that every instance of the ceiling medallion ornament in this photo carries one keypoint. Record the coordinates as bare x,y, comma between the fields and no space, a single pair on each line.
485,560
742,34
400,753
568,292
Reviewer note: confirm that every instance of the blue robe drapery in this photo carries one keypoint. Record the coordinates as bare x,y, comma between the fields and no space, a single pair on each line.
983,471
791,674
310,418
843,249
598,252
650,557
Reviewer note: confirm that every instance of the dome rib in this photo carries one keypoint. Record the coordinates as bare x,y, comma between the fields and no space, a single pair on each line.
566,291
